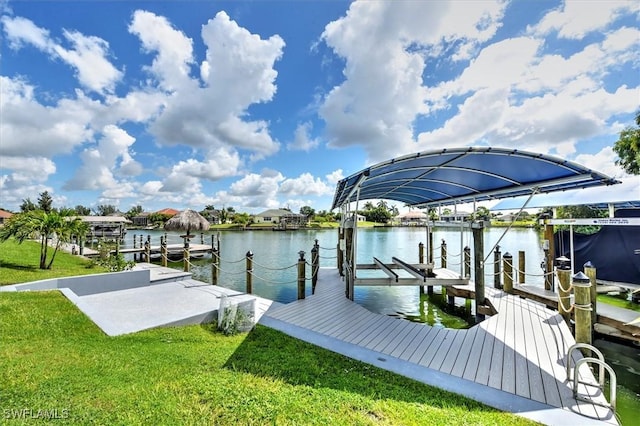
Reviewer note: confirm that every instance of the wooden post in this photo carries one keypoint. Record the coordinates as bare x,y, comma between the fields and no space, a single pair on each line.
315,266
348,243
507,279
521,266
564,292
430,254
301,275
582,307
249,262
467,262
147,251
477,229
339,252
549,256
443,254
202,238
496,268
164,252
214,270
117,247
590,271
421,261
185,254
135,255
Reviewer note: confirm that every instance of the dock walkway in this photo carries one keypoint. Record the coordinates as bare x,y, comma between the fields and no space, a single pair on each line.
514,361
610,320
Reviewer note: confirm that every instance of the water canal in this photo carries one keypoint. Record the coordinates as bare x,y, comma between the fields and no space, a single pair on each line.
275,255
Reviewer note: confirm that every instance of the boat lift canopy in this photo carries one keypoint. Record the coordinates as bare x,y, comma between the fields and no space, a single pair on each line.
451,176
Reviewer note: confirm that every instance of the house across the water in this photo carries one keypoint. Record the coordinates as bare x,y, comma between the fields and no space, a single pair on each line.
282,219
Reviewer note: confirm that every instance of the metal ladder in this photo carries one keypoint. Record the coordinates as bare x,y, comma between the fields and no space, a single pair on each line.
601,370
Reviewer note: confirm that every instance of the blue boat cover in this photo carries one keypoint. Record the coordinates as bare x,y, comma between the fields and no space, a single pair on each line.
448,176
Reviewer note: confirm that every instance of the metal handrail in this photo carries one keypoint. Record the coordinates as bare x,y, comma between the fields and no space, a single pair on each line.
612,386
601,375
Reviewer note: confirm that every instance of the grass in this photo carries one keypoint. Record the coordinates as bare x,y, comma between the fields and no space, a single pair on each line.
53,358
19,263
619,302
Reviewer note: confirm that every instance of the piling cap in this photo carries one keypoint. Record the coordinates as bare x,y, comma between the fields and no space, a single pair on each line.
580,278
589,264
563,262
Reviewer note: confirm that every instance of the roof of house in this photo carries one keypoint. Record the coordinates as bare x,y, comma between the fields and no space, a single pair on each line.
413,214
104,219
5,214
168,211
277,213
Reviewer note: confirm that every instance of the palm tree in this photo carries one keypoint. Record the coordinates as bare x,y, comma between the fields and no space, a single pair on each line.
43,226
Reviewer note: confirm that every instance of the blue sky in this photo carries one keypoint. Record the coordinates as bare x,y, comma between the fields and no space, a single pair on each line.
266,104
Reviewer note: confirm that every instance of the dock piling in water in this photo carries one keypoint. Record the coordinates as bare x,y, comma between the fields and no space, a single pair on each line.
590,271
508,273
582,307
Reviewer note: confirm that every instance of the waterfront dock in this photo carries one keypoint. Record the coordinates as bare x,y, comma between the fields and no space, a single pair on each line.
515,360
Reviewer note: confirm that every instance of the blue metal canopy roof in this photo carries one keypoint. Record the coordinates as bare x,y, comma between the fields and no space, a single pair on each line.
448,176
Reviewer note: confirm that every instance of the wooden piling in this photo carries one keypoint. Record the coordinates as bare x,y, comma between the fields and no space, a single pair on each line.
467,262
186,255
301,276
521,267
135,255
315,266
507,278
421,261
590,271
249,273
348,257
477,230
147,251
564,293
214,262
164,252
496,268
549,256
443,254
582,308
339,252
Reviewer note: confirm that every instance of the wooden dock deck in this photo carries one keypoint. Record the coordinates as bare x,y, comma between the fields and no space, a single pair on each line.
610,320
514,361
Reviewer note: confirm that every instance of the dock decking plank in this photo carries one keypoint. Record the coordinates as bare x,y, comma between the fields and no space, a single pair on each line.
546,348
520,351
383,340
381,333
462,356
469,369
484,363
446,343
536,384
450,359
407,340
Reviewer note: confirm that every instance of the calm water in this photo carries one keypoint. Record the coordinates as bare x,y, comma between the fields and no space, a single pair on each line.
275,255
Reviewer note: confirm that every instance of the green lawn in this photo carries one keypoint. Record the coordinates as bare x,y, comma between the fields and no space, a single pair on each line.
53,358
19,263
